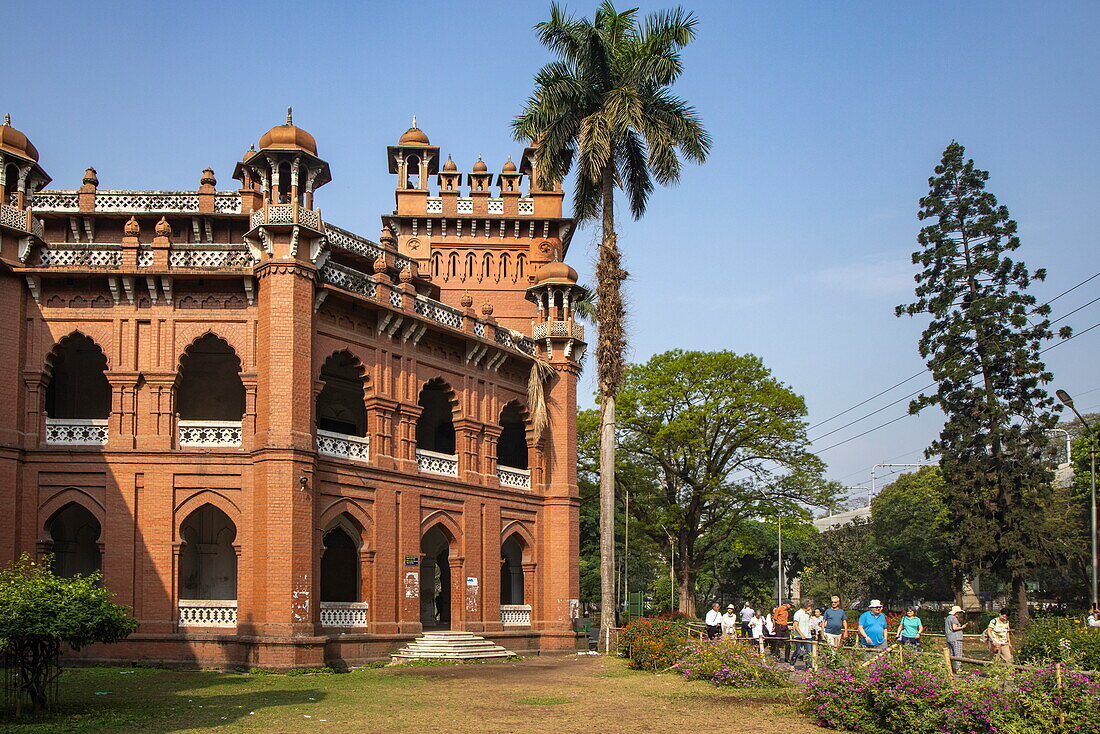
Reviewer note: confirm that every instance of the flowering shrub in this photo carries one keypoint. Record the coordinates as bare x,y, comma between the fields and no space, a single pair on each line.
1061,639
915,696
652,644
727,661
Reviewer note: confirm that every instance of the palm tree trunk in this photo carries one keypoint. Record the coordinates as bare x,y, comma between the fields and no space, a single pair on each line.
607,290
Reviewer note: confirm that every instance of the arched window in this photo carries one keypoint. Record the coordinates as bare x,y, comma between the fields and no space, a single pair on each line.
437,266
504,262
412,166
521,264
471,265
75,534
452,262
208,560
559,305
209,383
11,184
78,386
284,183
340,564
486,266
340,406
435,429
511,570
435,579
512,444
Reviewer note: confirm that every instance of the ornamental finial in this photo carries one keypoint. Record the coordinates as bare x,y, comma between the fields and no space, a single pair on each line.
7,120
289,115
414,120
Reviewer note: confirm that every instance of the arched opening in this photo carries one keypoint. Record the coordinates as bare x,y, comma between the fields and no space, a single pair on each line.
78,386
504,262
412,167
435,579
75,533
486,266
452,265
11,184
208,560
435,428
512,444
340,406
521,264
340,565
511,570
559,305
209,386
471,265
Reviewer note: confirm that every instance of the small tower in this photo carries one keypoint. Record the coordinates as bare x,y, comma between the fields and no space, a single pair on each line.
480,179
449,178
413,159
20,178
547,201
555,292
509,179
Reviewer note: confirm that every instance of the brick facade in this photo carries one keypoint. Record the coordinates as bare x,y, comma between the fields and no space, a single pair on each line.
275,395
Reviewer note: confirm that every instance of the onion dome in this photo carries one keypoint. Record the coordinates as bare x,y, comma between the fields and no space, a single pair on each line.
556,272
509,166
449,166
131,228
414,136
14,142
288,137
480,166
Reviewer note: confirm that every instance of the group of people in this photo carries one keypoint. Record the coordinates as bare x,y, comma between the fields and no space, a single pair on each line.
790,633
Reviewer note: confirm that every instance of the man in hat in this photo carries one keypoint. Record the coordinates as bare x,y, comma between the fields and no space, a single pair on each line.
953,628
713,621
729,621
872,627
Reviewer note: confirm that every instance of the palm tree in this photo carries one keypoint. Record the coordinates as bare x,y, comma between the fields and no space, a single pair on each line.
606,104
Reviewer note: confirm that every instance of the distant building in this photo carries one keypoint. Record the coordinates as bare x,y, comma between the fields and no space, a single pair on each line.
286,444
842,518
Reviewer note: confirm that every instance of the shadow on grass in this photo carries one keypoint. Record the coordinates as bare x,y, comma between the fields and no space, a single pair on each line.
151,700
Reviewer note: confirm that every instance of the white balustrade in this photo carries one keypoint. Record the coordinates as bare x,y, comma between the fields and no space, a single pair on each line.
342,239
515,615
435,205
210,433
227,202
562,329
80,256
526,206
13,217
437,311
344,613
510,476
343,446
56,201
496,206
145,258
208,612
76,431
210,257
178,202
479,329
431,462
395,297
465,205
349,279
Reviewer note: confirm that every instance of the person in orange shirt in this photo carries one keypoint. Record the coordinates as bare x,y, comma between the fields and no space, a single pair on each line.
781,619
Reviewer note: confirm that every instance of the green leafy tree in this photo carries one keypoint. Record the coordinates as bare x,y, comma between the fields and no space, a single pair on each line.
40,612
606,104
747,567
912,530
724,441
845,562
982,347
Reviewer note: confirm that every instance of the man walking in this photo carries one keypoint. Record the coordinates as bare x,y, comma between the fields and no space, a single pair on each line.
953,628
836,623
713,621
872,628
747,615
781,618
803,630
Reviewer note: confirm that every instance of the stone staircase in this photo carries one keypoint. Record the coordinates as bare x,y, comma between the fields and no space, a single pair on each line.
450,645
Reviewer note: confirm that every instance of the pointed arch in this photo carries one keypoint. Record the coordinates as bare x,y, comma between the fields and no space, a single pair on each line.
435,429
340,406
520,529
68,496
446,524
75,534
513,441
521,265
350,508
207,497
208,556
76,373
505,261
208,381
437,265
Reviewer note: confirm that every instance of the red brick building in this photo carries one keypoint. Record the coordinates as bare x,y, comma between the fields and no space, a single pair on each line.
283,443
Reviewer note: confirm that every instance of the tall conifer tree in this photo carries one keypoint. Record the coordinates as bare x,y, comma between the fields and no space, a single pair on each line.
982,347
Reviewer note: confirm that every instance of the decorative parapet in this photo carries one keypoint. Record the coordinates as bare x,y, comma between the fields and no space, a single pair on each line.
207,612
343,446
344,613
209,257
515,340
465,205
515,615
16,218
435,205
286,214
436,311
527,206
348,279
342,239
515,478
431,462
56,255
136,202
558,329
56,201
210,433
76,431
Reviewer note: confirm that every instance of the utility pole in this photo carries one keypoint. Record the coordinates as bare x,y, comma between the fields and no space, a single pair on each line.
779,591
626,554
1068,402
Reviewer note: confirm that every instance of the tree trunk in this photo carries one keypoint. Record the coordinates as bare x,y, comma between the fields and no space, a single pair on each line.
1019,594
686,584
608,301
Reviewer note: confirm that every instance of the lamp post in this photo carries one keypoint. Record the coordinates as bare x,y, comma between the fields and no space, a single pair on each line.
1068,402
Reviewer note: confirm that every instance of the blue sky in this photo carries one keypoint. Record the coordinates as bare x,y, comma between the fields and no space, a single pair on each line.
792,242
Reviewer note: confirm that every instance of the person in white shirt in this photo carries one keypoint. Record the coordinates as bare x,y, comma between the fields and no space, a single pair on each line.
803,629
729,621
713,621
1094,620
747,615
756,630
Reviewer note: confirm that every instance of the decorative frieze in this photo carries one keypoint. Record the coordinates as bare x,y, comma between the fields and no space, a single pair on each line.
440,312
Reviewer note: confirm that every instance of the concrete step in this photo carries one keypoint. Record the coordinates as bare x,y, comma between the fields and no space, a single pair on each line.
450,645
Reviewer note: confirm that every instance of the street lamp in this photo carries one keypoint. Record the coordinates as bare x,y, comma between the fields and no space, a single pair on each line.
1068,402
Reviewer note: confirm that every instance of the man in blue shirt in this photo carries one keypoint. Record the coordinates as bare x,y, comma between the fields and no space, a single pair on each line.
872,627
836,623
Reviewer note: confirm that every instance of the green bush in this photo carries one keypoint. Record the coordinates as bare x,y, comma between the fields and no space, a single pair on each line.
1061,639
652,644
731,662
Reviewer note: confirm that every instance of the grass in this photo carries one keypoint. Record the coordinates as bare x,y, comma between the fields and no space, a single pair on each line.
550,695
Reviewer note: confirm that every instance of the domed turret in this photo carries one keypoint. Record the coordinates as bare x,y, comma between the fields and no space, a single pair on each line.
288,137
480,166
413,159
20,175
449,166
414,136
509,166
14,142
556,272
556,293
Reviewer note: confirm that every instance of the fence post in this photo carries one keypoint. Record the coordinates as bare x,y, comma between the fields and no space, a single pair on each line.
947,661
1058,677
813,655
